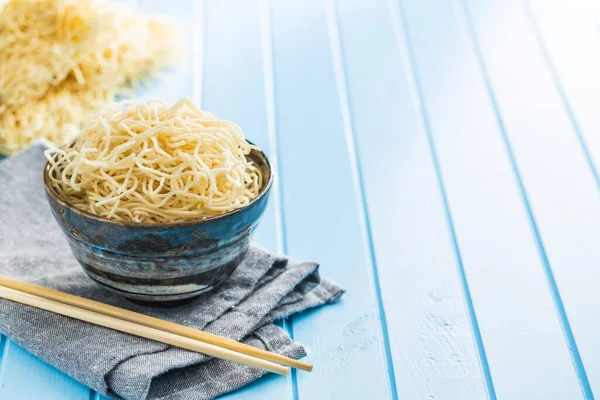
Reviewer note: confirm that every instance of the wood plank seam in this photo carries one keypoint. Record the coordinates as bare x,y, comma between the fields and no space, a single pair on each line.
560,89
592,15
466,21
198,38
277,194
403,42
4,343
357,177
267,60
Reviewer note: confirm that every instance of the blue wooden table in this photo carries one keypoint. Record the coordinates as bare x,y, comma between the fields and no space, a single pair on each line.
441,160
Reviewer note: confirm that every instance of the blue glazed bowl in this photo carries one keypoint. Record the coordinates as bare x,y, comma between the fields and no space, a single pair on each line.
161,263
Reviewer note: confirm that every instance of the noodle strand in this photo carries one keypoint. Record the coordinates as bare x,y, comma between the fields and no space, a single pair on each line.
156,163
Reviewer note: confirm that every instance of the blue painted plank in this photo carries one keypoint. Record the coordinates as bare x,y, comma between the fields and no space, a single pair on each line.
23,376
431,341
557,178
234,89
496,242
184,79
321,209
570,41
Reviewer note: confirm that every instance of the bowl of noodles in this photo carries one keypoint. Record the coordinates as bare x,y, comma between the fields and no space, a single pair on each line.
158,201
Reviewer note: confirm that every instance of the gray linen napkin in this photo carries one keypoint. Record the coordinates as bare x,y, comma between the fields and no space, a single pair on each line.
265,287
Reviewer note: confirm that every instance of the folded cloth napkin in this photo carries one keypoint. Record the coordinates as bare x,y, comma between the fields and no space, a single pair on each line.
264,288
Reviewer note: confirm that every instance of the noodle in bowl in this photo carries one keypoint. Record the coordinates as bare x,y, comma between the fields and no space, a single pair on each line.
164,255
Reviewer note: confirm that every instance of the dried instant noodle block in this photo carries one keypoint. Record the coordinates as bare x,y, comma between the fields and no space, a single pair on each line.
61,59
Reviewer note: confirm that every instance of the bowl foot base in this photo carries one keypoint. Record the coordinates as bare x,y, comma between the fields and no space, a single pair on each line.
162,304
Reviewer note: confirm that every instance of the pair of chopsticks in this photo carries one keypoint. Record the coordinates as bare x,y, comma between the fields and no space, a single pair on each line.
145,326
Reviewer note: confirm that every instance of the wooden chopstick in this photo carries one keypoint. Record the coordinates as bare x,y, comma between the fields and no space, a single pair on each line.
151,322
139,330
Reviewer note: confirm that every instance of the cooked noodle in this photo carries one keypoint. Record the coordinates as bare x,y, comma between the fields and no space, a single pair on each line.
154,162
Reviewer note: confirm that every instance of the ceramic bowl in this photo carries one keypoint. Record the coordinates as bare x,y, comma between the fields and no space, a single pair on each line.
161,263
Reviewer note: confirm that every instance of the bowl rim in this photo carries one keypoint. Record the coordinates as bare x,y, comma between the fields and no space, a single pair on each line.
265,189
